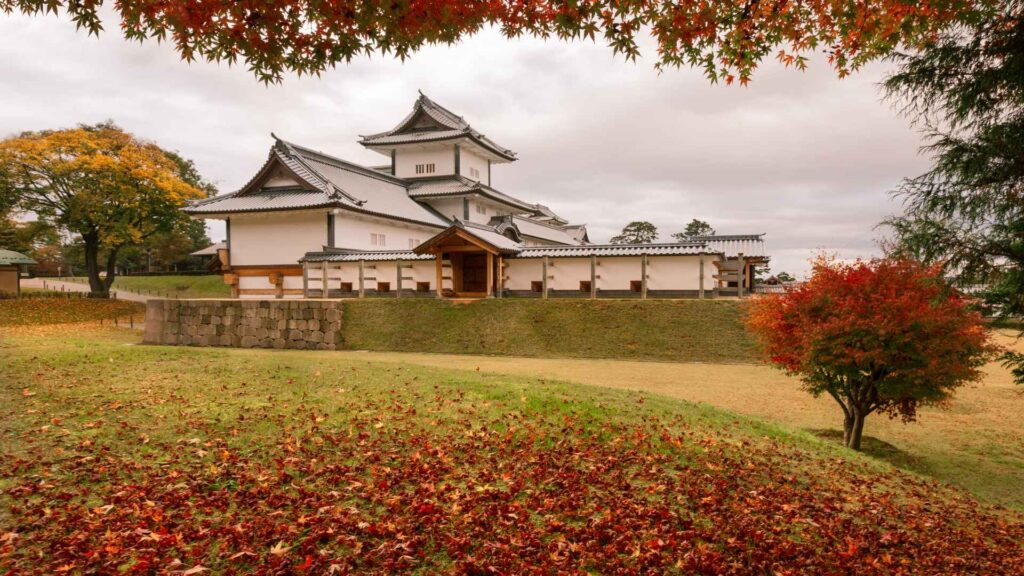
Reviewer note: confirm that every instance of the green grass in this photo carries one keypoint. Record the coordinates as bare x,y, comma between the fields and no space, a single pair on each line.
125,457
211,286
672,330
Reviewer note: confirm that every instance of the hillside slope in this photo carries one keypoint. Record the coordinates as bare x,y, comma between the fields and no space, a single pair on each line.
154,459
675,330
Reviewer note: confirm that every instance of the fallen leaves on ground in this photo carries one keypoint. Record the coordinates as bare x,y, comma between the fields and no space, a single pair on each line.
515,493
45,311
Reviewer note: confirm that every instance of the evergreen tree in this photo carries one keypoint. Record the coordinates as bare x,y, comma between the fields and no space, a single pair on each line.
637,232
694,228
966,92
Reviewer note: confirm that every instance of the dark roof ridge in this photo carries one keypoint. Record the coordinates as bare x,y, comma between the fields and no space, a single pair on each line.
650,244
541,223
728,237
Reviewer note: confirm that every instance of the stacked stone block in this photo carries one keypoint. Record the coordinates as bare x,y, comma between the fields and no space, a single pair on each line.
293,324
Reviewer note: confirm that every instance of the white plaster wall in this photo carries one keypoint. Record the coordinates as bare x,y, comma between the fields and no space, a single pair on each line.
467,160
421,271
442,157
280,179
673,272
274,239
566,273
353,231
449,207
615,273
520,272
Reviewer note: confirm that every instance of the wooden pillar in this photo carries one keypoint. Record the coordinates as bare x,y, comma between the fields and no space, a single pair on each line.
440,274
362,288
323,279
305,279
501,276
742,276
700,289
398,293
643,277
490,275
593,276
544,279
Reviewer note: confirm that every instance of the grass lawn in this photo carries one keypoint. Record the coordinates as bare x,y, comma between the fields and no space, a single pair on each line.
675,330
212,286
121,457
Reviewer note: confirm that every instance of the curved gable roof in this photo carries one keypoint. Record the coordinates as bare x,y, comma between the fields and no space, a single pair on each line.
442,124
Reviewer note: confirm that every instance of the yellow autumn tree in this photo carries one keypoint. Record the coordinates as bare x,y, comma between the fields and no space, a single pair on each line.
98,182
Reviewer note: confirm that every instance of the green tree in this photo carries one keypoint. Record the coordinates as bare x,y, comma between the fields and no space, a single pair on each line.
694,228
165,249
784,277
637,232
966,92
99,182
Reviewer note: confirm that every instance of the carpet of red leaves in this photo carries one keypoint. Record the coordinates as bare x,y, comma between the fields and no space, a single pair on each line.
518,493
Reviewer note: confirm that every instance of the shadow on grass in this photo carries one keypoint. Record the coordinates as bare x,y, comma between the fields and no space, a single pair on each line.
878,449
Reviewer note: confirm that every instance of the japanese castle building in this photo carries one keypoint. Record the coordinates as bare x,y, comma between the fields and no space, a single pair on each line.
431,223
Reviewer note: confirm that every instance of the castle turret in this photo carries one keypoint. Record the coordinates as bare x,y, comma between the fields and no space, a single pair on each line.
433,141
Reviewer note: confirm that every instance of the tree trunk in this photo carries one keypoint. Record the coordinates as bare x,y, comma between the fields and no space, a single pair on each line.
856,429
111,269
97,287
847,428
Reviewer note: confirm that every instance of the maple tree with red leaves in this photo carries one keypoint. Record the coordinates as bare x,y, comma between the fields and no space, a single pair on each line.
727,40
885,336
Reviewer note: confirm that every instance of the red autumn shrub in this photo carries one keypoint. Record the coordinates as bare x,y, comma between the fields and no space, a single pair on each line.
881,336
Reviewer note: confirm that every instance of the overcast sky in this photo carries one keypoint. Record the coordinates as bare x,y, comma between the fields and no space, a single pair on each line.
803,156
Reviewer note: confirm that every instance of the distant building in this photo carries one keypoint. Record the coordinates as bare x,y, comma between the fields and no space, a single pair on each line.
12,266
431,223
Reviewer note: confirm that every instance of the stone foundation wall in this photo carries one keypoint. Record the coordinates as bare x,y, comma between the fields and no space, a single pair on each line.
295,324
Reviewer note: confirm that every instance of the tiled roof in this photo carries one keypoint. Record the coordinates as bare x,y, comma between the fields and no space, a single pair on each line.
604,250
368,256
735,244
210,250
332,183
460,185
262,200
450,126
491,236
615,250
543,210
541,230
12,258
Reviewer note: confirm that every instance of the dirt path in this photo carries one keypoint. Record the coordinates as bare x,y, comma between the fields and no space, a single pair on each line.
51,284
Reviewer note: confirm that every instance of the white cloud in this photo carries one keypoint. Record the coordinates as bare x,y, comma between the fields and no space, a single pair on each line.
805,157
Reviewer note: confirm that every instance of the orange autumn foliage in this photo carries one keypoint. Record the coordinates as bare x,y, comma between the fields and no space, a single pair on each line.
727,40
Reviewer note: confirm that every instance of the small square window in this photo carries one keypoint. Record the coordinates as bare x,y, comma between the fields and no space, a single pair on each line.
584,285
414,242
425,168
383,286
474,173
636,285
346,286
378,239
423,286
537,286
481,209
